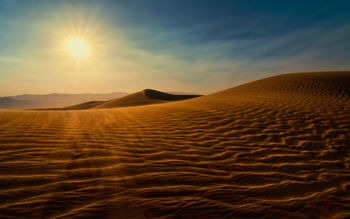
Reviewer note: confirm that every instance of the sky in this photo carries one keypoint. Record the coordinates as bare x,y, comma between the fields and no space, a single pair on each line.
195,46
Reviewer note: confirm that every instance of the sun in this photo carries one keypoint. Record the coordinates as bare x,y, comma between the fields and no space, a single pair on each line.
78,48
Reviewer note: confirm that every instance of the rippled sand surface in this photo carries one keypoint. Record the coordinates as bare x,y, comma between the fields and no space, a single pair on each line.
278,147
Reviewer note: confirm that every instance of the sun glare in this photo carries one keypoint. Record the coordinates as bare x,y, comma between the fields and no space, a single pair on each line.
78,48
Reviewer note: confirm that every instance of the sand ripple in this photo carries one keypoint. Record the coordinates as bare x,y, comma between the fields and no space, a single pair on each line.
272,148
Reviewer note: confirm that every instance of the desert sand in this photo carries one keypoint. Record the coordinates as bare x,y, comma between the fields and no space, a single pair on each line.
273,148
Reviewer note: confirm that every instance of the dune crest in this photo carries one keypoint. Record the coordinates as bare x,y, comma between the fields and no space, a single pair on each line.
273,148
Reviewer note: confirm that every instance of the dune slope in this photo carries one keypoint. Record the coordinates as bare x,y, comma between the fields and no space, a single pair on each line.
273,148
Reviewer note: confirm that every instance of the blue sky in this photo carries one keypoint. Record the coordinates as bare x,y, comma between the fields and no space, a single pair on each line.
179,45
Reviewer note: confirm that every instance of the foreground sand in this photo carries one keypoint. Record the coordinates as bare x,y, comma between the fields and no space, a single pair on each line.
274,148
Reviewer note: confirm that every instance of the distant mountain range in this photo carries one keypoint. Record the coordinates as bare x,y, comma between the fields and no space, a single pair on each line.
28,101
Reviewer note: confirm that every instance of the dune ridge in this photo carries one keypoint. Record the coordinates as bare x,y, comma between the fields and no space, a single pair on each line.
273,148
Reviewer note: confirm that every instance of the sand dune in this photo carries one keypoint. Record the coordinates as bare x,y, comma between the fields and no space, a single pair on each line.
273,148
145,97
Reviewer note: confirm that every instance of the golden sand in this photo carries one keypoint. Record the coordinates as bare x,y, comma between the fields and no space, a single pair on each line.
275,148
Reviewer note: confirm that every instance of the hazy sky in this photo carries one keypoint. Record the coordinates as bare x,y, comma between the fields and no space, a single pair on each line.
171,45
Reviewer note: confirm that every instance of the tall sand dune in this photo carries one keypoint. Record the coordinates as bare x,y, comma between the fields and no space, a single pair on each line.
274,148
145,97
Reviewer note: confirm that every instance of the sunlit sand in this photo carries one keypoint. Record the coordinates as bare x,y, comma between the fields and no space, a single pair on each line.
276,147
